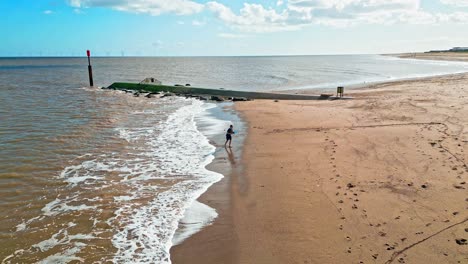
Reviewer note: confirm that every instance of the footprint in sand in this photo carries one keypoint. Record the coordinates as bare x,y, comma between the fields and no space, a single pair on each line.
389,247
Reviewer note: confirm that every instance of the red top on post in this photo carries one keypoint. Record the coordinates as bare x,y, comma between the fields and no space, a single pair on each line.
88,53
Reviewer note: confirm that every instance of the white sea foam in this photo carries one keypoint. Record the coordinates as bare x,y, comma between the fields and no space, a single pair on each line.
59,205
63,239
208,124
21,227
183,152
196,217
65,257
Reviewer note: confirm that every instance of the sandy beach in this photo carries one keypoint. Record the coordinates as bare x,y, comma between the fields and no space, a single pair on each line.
377,179
445,56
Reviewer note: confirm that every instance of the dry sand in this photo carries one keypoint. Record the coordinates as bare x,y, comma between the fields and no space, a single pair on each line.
378,179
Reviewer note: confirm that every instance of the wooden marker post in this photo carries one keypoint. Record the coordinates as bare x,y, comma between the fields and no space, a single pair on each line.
90,69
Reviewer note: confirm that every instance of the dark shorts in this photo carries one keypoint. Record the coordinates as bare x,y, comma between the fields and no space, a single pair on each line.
228,137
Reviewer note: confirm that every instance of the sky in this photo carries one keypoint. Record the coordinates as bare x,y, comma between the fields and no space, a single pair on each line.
229,27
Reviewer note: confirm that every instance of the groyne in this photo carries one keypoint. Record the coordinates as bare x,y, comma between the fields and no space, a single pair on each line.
188,90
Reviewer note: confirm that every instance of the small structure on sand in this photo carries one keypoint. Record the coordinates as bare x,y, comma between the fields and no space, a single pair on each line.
339,91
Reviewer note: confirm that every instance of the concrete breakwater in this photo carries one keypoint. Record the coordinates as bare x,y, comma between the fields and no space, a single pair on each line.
216,93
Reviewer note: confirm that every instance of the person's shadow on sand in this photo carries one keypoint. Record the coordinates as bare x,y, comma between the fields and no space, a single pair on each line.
230,154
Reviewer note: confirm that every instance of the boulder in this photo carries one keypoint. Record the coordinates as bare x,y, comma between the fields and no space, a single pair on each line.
325,96
239,99
151,95
216,98
167,95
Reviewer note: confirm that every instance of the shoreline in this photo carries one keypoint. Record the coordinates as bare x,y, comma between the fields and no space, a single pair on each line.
217,236
438,56
250,231
377,85
373,85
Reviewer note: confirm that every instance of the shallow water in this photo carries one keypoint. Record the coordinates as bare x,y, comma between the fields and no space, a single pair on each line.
96,175
244,73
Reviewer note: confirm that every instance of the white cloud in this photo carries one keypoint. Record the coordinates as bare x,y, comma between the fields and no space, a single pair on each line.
356,5
198,23
370,11
337,13
455,2
457,17
152,7
253,18
48,12
231,36
291,15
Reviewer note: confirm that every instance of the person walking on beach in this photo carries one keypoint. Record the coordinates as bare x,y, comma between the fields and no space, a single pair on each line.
229,134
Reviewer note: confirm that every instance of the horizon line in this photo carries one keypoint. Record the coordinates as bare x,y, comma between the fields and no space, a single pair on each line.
200,56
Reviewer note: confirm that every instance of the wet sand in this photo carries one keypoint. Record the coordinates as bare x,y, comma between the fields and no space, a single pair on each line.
378,179
217,243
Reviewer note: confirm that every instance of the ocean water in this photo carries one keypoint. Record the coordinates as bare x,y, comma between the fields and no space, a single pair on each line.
91,175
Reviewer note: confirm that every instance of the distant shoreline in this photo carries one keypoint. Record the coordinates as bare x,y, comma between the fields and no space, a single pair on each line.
441,56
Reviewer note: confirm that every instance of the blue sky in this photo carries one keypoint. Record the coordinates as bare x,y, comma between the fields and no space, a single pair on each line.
229,27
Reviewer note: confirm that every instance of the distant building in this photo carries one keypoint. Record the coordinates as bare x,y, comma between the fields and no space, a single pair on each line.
459,49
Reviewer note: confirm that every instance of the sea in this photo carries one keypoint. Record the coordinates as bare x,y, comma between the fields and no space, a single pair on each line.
92,175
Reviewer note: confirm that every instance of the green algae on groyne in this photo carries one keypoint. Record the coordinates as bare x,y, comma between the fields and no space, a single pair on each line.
188,90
